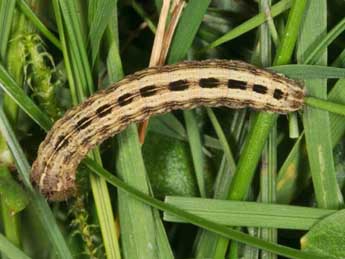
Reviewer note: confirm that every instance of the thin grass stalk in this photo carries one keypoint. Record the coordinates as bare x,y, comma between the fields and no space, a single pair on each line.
7,14
198,221
80,76
258,134
318,140
269,157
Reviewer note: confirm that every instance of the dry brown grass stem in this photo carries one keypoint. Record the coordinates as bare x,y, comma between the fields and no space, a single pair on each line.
162,42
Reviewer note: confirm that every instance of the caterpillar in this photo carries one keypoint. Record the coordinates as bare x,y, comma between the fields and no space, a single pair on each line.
155,90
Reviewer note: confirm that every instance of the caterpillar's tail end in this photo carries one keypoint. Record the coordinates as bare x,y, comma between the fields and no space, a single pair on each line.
49,185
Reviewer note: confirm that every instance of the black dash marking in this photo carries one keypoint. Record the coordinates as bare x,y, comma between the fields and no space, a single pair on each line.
103,110
278,94
61,142
147,91
260,89
125,99
178,85
235,84
83,123
208,82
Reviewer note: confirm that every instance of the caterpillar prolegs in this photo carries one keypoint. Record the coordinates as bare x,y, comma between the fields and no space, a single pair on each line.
152,91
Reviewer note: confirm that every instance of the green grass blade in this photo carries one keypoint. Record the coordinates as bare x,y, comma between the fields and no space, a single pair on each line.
65,53
9,85
340,60
10,219
38,203
337,95
143,234
13,200
137,223
318,140
258,134
251,24
25,8
206,244
144,16
169,125
268,168
101,13
317,52
81,78
287,45
209,225
77,46
248,214
325,105
196,149
10,250
187,28
6,16
310,71
222,139
250,155
294,174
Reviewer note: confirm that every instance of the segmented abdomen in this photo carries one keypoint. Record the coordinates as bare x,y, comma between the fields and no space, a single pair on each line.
233,84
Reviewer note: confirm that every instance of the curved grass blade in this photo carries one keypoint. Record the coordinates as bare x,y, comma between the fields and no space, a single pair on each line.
198,221
9,250
317,52
38,203
250,24
9,85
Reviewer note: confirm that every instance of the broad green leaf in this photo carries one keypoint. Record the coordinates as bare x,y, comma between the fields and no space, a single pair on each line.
248,214
318,139
327,237
11,192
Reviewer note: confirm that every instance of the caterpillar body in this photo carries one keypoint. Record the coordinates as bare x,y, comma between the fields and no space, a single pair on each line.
156,90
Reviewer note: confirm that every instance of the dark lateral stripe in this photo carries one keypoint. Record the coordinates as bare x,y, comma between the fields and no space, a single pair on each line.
83,123
209,82
260,89
61,143
178,85
278,94
125,99
235,84
103,110
147,91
